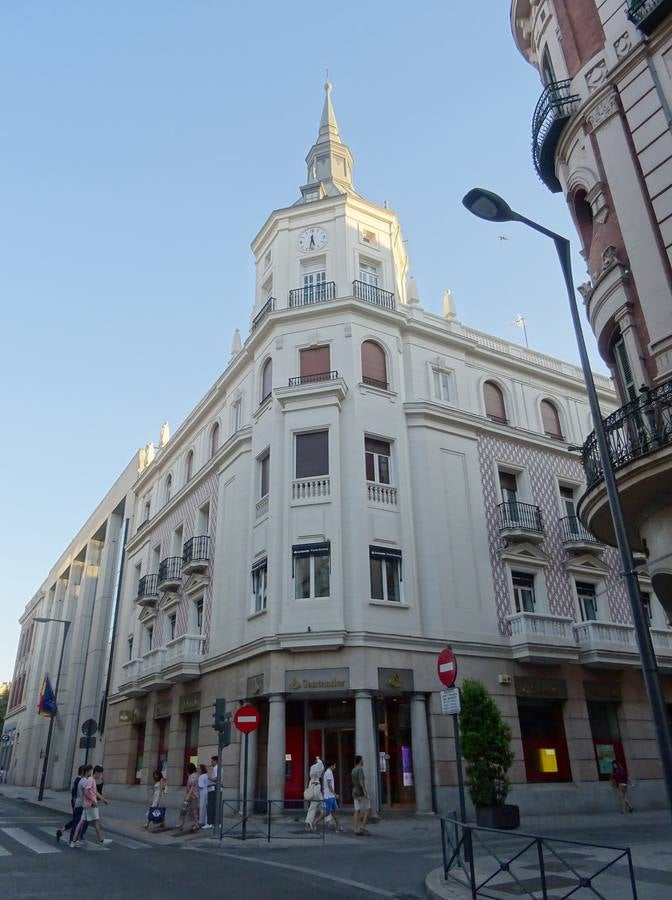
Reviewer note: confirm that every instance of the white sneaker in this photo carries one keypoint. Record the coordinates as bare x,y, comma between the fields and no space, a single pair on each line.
206,826
74,844
105,842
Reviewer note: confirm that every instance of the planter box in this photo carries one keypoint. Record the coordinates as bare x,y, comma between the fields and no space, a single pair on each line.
505,816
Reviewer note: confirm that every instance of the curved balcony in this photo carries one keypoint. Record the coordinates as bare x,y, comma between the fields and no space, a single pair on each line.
196,554
576,538
170,573
267,308
148,590
551,114
520,522
639,436
647,14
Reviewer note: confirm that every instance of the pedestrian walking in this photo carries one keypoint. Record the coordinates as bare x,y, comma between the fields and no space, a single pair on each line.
189,811
620,783
156,814
90,800
313,793
330,798
360,797
75,809
203,784
99,778
212,789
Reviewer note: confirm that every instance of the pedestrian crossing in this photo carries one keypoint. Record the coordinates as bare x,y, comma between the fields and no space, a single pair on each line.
24,836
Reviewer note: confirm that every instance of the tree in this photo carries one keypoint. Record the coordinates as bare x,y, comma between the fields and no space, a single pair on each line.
486,746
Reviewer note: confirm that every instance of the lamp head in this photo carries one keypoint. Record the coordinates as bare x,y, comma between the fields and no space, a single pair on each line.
488,206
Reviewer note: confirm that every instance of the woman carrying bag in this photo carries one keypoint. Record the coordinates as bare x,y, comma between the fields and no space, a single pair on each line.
313,793
156,814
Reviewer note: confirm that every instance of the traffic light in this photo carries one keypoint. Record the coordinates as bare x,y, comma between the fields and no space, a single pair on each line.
219,714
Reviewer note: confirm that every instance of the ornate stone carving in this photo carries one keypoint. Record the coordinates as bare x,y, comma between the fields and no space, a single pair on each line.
609,257
623,44
596,76
586,289
598,203
604,110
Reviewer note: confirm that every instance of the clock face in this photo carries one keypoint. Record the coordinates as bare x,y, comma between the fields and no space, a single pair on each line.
313,238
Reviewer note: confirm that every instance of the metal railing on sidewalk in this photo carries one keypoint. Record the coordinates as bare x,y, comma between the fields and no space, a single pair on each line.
531,865
267,820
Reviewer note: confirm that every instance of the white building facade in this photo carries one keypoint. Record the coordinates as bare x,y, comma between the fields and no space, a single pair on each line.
364,484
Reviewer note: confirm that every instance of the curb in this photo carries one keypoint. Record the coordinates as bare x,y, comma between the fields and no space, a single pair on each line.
437,888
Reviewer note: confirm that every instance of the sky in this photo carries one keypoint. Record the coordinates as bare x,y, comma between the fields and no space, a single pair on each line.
142,146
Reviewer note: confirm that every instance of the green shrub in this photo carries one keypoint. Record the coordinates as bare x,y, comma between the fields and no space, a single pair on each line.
486,746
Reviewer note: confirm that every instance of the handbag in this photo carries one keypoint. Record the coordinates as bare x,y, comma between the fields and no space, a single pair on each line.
308,793
157,814
184,808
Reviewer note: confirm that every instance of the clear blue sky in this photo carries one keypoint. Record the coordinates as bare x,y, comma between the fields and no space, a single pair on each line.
142,144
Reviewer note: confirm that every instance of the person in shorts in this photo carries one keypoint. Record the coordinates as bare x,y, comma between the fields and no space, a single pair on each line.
91,814
330,798
360,797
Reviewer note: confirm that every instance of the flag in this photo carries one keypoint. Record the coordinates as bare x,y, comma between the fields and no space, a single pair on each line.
47,703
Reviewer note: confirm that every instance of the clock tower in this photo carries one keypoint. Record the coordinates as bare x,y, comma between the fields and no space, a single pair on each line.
331,241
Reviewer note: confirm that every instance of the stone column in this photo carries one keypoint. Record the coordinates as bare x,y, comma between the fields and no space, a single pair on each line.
422,768
366,744
275,766
252,755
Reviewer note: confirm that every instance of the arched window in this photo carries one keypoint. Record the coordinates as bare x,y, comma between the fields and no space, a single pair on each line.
624,378
169,487
214,439
374,365
584,219
190,465
266,380
547,70
494,402
550,420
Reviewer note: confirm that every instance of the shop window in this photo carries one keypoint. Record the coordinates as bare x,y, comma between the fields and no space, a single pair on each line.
587,597
374,365
550,420
267,380
603,717
542,732
264,473
312,454
494,402
386,574
191,723
523,591
311,570
162,755
314,362
214,439
377,460
441,382
139,752
260,585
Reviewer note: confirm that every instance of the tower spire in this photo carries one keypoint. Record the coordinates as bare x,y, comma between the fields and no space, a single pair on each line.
328,123
329,160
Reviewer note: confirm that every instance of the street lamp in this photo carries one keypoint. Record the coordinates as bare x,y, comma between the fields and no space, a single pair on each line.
493,208
66,625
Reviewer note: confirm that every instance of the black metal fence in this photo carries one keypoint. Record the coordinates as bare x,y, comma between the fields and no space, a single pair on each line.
525,516
313,293
373,294
196,549
555,104
573,531
267,820
495,864
268,307
148,586
170,569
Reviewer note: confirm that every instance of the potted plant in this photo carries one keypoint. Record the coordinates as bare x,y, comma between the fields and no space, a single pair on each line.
486,747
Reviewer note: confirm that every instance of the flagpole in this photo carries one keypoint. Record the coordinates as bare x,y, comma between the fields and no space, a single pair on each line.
43,778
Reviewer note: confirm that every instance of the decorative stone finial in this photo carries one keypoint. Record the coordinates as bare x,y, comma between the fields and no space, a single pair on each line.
412,298
165,435
236,343
449,311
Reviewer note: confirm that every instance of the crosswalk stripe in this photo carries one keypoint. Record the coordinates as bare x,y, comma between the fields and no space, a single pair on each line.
129,842
4,852
30,841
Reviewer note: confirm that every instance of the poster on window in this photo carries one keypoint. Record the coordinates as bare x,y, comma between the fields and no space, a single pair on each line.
605,758
406,766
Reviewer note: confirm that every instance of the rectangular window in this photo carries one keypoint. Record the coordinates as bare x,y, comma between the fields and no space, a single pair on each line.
508,486
646,605
260,585
198,617
172,624
314,286
237,415
386,574
441,385
587,600
368,273
130,647
567,499
311,570
377,460
264,471
149,638
314,361
312,454
523,591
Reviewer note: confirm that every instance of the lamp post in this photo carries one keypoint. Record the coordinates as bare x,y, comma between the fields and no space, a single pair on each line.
493,208
66,626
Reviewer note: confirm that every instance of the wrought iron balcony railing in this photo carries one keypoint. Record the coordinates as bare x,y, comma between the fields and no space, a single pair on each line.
170,569
312,379
196,549
148,586
573,532
642,426
375,382
646,14
313,293
523,516
372,294
553,108
268,307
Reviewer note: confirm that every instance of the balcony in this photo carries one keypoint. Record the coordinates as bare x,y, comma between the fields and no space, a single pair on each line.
128,684
381,494
170,573
183,658
313,293
372,294
313,379
148,590
538,638
520,522
639,436
551,114
267,308
606,645
647,14
196,554
576,538
151,676
375,382
662,645
261,507
311,489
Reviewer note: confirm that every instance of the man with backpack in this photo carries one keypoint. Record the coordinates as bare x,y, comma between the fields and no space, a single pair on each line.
91,813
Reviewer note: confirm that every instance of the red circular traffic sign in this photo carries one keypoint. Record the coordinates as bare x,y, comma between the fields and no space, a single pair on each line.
447,667
246,719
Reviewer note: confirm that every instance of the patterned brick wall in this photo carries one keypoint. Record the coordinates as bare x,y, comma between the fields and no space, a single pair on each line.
543,467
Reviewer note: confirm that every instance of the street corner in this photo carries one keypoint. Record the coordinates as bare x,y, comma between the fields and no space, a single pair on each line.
438,888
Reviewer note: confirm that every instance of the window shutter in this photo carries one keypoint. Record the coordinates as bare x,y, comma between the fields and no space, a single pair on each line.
312,454
624,371
267,379
494,401
550,419
374,365
314,361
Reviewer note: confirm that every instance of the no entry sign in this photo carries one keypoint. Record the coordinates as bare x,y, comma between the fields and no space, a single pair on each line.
447,667
246,719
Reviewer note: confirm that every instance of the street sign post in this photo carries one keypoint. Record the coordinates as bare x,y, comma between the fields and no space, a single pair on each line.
246,719
450,702
222,725
88,742
446,667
